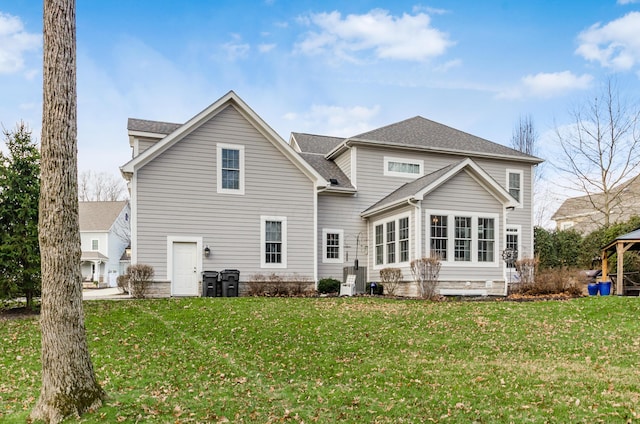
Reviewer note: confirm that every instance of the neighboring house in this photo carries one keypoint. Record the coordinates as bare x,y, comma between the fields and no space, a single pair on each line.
227,182
104,234
584,213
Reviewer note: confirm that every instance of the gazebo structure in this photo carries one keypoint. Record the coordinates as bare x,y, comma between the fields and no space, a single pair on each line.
623,243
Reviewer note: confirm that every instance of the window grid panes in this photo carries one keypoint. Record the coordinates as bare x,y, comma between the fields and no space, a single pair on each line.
403,167
403,238
439,236
462,241
333,246
514,185
486,239
94,244
273,242
391,242
231,169
379,244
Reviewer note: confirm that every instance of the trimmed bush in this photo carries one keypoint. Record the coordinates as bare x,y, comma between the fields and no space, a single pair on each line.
285,285
123,283
140,278
390,278
329,285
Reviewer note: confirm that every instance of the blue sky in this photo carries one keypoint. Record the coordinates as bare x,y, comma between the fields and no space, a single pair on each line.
327,67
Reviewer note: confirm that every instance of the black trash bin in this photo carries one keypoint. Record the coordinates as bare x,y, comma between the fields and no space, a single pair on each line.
230,279
210,284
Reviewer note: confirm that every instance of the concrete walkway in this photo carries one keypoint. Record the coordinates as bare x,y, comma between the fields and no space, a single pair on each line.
107,293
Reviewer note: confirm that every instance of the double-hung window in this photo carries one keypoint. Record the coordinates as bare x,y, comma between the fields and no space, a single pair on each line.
94,244
514,184
392,241
486,239
439,236
273,240
230,165
332,245
462,237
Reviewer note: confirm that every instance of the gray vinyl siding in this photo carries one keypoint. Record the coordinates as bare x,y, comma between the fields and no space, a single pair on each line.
177,196
344,163
144,144
463,194
340,212
457,194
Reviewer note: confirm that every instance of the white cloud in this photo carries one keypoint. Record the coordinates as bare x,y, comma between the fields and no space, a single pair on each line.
335,120
236,49
406,37
265,48
628,1
615,45
15,43
547,85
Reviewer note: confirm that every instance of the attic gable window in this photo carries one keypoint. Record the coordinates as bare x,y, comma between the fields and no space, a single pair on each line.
403,167
230,168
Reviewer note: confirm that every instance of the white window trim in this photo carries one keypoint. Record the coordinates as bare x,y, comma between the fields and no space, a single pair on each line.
340,258
383,222
566,225
219,148
97,242
451,262
263,262
518,231
388,173
521,173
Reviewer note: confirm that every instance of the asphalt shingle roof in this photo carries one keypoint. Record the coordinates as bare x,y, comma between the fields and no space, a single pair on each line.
424,133
99,216
157,127
328,169
311,143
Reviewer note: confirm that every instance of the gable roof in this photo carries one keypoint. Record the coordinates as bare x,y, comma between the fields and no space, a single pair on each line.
99,216
230,99
420,187
311,143
584,205
424,134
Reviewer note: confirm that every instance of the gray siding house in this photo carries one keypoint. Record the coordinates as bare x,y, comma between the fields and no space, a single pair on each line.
104,235
224,191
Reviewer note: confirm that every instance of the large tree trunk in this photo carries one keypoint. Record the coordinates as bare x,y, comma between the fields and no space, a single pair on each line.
69,386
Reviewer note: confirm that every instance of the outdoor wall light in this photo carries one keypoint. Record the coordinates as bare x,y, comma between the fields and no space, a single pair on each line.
207,251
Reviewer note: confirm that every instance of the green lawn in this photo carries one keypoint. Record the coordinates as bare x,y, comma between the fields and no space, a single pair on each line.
359,360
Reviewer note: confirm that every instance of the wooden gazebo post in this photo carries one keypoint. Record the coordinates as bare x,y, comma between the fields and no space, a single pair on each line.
621,245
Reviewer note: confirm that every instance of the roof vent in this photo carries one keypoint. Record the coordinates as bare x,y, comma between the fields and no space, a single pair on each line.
333,181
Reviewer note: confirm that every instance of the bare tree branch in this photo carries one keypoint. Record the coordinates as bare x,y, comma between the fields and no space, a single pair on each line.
600,150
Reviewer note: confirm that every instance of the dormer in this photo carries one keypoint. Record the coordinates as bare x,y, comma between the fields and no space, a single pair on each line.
144,134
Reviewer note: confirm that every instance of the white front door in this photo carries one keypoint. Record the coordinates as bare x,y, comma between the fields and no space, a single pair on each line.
184,281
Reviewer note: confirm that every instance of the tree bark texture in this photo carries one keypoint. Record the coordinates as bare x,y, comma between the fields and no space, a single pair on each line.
69,386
